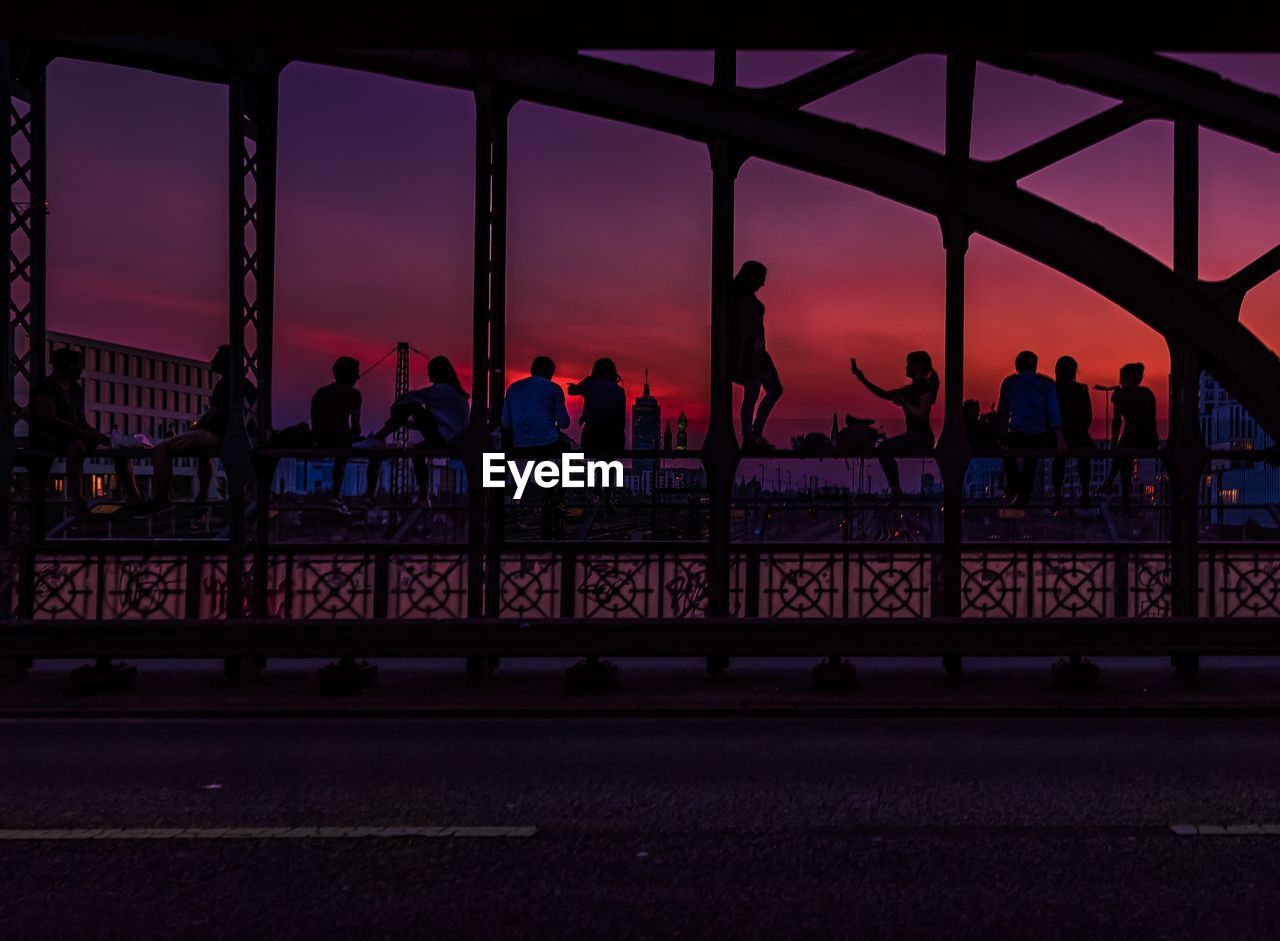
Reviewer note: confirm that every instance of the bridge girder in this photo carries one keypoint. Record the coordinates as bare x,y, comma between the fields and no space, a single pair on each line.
1175,306
767,126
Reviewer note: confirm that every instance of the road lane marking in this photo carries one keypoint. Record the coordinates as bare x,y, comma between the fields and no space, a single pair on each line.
1232,829
265,833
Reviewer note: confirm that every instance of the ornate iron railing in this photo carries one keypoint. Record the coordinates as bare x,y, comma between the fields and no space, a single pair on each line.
610,581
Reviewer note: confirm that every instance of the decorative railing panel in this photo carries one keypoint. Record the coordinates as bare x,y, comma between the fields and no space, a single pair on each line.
432,585
327,587
639,581
529,585
1242,583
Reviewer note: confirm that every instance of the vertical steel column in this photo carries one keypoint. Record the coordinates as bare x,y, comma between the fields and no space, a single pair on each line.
25,202
262,112
488,372
1186,446
251,152
954,449
8,448
720,450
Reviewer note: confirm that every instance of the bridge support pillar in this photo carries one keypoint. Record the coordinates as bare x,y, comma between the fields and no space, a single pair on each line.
720,450
1186,442
954,449
488,356
251,174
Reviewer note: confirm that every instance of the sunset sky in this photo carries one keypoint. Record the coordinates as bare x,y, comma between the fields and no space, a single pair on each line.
609,241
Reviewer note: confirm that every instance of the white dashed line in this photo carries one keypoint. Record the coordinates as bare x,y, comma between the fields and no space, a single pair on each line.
265,833
1234,829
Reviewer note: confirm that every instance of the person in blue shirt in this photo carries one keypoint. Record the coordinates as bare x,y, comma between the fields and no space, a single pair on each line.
1030,417
533,416
533,412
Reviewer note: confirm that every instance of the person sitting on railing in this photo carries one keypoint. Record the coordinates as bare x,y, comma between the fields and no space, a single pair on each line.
750,365
603,419
58,425
533,412
916,401
1077,419
335,420
438,412
1136,413
533,416
203,440
1030,418
980,427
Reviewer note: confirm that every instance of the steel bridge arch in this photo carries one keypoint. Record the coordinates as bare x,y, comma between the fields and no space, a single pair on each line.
991,204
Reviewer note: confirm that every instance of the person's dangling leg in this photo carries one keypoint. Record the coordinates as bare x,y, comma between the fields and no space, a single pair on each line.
1012,474
422,475
750,392
1084,468
1028,479
1059,477
772,392
1125,465
74,458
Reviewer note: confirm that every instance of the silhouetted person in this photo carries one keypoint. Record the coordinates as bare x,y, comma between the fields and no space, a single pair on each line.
533,412
58,425
1029,418
979,426
533,416
438,412
335,419
1077,419
750,365
916,401
604,417
1133,425
203,440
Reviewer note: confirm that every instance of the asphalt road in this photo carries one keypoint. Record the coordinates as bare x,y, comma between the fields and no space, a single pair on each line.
733,828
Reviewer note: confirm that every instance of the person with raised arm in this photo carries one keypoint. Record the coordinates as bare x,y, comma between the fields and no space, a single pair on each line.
916,399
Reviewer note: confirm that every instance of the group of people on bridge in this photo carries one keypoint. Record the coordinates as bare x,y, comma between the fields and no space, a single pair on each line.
1034,412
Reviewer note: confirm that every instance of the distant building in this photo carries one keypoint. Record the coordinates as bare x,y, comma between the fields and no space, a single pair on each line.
646,427
682,432
1235,492
133,391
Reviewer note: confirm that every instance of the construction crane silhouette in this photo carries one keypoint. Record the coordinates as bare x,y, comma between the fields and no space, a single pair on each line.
399,467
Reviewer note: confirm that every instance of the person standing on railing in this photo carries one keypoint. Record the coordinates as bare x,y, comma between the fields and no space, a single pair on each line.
603,419
1133,425
1077,419
916,401
750,365
438,412
335,420
1030,419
